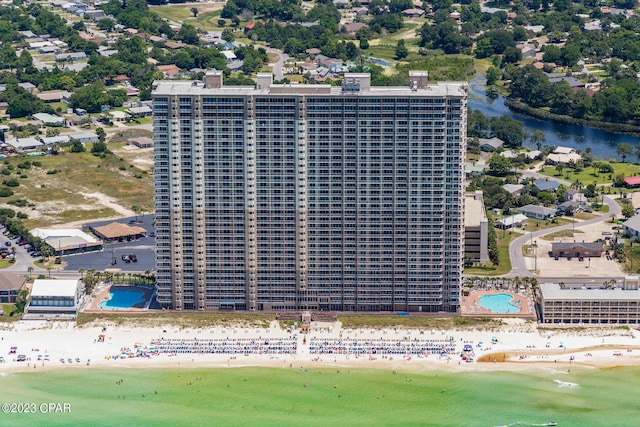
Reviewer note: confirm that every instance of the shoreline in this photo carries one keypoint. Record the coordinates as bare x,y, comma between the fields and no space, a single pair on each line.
517,346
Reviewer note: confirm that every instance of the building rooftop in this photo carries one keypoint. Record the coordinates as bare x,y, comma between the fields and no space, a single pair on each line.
473,209
553,292
190,87
53,288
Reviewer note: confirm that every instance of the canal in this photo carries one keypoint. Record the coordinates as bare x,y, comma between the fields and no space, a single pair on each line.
603,144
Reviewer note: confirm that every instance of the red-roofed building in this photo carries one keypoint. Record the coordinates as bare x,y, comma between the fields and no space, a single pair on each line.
632,181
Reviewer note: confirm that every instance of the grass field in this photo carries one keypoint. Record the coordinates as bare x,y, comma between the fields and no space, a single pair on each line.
503,255
590,176
54,190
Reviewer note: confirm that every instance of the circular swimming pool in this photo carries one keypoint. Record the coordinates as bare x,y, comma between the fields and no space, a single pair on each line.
499,303
122,298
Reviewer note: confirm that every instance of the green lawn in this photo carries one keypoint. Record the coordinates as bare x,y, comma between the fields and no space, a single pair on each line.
535,225
590,176
503,255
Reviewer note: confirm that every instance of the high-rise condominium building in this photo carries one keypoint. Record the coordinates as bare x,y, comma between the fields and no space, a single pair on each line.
296,197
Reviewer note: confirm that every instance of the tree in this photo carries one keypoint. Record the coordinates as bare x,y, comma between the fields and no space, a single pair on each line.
624,149
364,43
493,74
401,50
99,147
538,138
188,34
77,146
29,271
628,211
498,165
194,11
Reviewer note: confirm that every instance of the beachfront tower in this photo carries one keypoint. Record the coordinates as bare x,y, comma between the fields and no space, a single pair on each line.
309,197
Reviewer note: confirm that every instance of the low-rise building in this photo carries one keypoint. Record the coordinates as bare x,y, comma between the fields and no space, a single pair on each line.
25,144
490,144
10,285
590,305
537,212
576,249
476,228
511,221
54,299
68,241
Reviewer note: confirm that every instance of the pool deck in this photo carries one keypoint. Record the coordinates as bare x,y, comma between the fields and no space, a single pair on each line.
103,293
469,305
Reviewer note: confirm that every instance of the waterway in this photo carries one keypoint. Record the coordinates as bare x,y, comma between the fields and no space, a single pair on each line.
602,143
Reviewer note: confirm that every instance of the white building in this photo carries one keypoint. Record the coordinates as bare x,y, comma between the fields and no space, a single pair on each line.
54,299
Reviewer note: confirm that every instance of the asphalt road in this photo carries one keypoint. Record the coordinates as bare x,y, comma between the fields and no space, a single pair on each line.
143,248
518,265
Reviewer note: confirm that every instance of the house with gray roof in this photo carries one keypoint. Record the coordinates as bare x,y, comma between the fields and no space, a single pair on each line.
544,185
49,119
514,189
25,144
537,212
490,144
631,227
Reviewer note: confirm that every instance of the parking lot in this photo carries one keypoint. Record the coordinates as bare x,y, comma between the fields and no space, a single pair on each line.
548,266
144,250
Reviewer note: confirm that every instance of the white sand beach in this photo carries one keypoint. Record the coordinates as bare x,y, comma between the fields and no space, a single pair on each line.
517,345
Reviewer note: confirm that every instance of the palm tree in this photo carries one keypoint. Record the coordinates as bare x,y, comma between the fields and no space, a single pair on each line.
194,11
29,271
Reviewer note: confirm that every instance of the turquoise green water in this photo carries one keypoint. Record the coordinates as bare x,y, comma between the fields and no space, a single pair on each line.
323,397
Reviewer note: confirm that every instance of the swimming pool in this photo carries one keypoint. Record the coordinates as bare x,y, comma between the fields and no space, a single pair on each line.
122,299
499,303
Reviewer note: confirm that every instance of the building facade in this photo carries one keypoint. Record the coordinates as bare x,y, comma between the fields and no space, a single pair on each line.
568,305
309,197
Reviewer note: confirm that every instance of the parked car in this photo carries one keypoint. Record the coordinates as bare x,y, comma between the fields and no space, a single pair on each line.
7,244
133,257
21,358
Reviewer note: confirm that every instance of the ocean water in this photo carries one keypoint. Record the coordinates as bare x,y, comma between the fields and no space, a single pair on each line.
321,397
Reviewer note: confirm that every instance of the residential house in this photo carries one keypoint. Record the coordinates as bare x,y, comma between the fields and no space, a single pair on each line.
29,87
353,27
632,181
631,227
174,45
3,110
141,111
473,171
563,155
169,70
537,212
54,96
71,56
514,189
490,144
544,185
141,142
49,119
229,55
118,116
94,15
25,144
576,196
55,140
413,13
510,221
10,285
85,136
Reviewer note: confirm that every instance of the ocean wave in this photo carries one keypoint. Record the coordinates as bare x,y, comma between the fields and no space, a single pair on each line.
565,384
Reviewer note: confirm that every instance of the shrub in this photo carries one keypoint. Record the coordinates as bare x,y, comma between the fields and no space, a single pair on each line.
52,172
11,182
6,192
